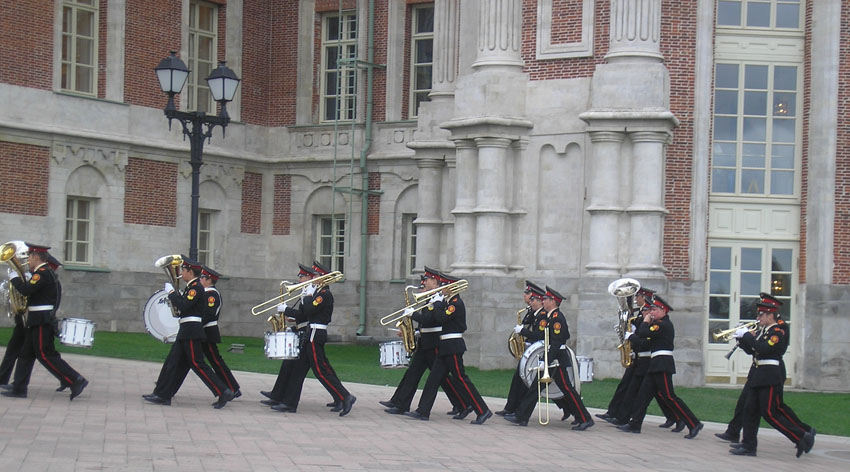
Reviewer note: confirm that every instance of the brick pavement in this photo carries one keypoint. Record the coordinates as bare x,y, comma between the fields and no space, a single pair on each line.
109,427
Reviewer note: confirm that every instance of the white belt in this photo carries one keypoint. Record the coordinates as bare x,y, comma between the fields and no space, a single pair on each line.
302,325
662,353
451,336
211,323
563,347
766,362
644,354
40,308
318,326
434,329
190,319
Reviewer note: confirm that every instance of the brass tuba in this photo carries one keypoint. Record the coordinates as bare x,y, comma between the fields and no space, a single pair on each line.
405,324
516,341
171,265
624,290
12,253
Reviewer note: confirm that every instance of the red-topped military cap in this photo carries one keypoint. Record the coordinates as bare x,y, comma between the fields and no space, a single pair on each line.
209,273
534,290
36,247
554,295
320,268
769,299
431,273
190,263
659,302
304,271
446,279
53,262
646,293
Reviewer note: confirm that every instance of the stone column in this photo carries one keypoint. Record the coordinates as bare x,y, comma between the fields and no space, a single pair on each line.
491,207
646,207
445,61
466,182
428,221
604,204
635,31
499,34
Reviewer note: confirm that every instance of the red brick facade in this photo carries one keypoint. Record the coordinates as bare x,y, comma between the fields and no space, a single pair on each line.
804,164
101,49
282,204
26,57
150,189
252,203
841,270
152,29
29,165
373,224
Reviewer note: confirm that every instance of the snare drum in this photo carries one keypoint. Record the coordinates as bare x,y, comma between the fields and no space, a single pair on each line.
76,332
282,345
585,368
393,355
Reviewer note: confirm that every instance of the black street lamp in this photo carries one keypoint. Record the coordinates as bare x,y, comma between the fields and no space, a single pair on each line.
172,74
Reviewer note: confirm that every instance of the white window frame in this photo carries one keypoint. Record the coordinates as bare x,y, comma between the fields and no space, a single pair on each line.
196,86
334,234
408,245
72,226
774,6
206,241
417,37
341,78
70,41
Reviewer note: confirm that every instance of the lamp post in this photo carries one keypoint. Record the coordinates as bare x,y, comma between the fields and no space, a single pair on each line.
197,125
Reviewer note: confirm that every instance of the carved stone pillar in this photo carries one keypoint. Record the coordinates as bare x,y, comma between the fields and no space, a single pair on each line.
428,221
604,204
444,67
466,182
646,208
635,30
491,209
499,34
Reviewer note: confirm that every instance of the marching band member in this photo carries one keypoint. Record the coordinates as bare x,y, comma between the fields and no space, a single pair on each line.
559,334
423,358
657,331
318,305
764,397
186,350
531,329
451,316
43,293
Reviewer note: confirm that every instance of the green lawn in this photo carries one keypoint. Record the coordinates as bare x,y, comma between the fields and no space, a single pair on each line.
359,363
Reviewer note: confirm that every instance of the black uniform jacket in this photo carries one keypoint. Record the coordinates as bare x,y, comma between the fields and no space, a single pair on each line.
639,344
559,334
212,309
300,319
451,315
319,308
41,289
770,344
528,318
190,303
659,336
425,318
534,330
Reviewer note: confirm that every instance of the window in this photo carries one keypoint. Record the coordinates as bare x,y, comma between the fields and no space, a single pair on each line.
78,231
339,74
762,14
422,56
755,129
408,245
203,22
79,46
330,241
205,238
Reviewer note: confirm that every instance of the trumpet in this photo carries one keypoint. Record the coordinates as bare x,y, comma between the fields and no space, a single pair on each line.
726,334
423,299
287,289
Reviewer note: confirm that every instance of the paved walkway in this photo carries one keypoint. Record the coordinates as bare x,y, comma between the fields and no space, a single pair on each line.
109,427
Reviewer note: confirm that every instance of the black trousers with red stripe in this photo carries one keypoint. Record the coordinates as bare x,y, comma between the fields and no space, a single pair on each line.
627,403
13,349
451,364
38,344
218,365
173,379
188,354
571,402
313,357
423,359
660,384
736,424
764,402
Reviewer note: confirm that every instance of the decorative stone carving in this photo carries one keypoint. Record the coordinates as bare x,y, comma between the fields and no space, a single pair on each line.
547,49
225,175
105,160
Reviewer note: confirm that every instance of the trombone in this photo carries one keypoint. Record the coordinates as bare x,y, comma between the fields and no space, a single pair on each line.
287,288
423,299
543,381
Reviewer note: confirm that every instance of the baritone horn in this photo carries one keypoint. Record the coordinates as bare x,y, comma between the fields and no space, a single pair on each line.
422,299
171,265
516,341
624,290
287,291
12,253
405,324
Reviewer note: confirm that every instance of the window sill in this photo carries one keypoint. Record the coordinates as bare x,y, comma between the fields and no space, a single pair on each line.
83,268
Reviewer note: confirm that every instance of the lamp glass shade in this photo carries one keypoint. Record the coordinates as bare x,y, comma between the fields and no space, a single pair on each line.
223,83
172,73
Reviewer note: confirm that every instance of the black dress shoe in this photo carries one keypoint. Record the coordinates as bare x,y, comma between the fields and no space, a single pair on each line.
78,386
463,414
744,452
617,422
628,428
385,403
808,441
667,424
811,443
156,399
225,397
61,388
347,404
269,402
603,416
583,426
416,415
6,387
266,393
575,422
453,411
693,433
726,436
517,421
335,407
395,411
284,408
508,416
566,416
502,412
13,394
680,425
237,394
480,419
737,445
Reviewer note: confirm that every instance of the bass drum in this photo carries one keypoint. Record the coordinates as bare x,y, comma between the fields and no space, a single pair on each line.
159,321
532,360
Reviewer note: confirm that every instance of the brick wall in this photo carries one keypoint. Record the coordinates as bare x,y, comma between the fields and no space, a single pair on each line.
256,34
252,203
333,5
26,57
379,82
374,202
101,49
30,166
152,29
150,189
841,269
282,204
284,67
804,165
